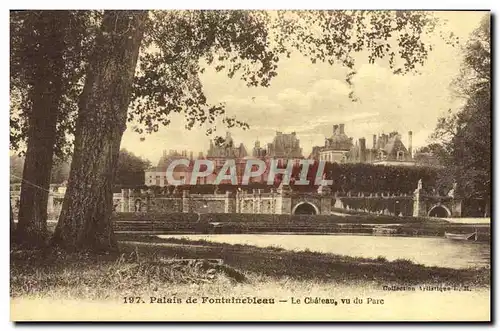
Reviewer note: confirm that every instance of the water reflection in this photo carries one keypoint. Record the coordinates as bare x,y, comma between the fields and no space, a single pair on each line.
428,251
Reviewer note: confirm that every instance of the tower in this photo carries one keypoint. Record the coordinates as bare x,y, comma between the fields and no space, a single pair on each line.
341,128
362,150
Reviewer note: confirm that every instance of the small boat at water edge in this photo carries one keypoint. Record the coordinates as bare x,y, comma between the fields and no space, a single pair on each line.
461,236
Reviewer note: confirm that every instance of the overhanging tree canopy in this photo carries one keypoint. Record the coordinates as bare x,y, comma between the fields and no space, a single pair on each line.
172,46
465,134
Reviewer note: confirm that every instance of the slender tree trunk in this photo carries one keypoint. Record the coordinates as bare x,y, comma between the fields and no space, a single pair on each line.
12,224
46,97
487,208
85,220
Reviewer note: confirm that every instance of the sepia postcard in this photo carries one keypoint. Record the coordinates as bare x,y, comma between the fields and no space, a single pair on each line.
250,165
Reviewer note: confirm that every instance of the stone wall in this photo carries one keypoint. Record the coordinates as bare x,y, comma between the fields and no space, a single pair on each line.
54,204
166,205
207,203
256,202
423,204
282,201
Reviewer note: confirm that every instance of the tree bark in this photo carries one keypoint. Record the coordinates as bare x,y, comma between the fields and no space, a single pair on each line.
46,97
85,220
487,208
12,223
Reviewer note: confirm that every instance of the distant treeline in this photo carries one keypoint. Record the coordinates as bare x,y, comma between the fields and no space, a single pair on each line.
130,169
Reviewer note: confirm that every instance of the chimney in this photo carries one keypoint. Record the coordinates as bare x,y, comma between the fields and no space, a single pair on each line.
362,150
410,143
374,141
383,140
335,127
341,128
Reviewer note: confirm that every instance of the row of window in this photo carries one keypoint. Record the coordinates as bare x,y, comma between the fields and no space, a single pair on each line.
328,157
199,181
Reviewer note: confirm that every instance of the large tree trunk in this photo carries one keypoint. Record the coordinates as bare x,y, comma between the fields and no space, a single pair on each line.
46,97
85,220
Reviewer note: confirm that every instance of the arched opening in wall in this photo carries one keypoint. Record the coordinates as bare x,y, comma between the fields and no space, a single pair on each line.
439,211
305,208
138,205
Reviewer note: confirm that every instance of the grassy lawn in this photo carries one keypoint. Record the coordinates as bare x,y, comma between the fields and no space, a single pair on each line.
148,264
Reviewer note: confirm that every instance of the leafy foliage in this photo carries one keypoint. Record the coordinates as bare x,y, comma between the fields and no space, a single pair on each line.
26,31
369,178
179,45
59,174
60,171
16,169
395,206
130,171
465,135
175,45
347,178
360,177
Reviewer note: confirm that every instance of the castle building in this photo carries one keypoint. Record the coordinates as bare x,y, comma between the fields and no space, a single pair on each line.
220,153
157,176
217,153
258,151
387,149
227,150
337,146
285,147
390,150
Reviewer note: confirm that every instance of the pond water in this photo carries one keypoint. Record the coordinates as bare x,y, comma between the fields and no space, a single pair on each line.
428,251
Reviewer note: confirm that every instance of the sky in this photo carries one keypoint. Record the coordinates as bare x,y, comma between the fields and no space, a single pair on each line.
310,98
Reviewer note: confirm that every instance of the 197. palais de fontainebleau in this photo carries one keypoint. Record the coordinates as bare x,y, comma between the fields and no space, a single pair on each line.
246,165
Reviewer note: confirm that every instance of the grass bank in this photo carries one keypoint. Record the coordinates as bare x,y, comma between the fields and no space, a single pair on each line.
151,265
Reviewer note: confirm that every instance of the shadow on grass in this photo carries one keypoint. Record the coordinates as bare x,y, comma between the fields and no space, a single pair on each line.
147,264
58,274
304,265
